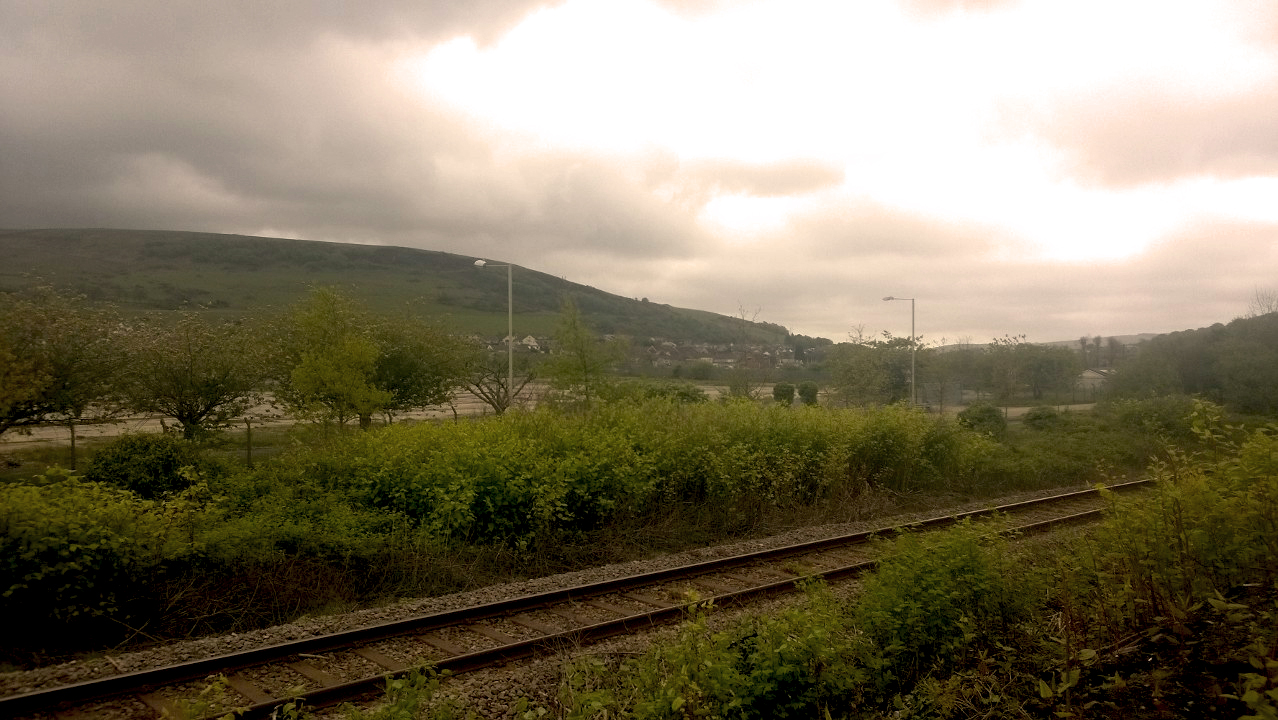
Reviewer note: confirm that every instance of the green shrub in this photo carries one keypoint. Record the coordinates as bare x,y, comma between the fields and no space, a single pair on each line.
1043,418
808,392
934,595
643,390
783,393
71,548
1166,417
984,418
151,465
801,663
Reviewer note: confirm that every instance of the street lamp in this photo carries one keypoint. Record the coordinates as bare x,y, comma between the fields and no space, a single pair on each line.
510,328
913,397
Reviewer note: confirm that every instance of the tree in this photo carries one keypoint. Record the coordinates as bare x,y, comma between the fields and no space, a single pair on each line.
1017,366
198,371
1046,368
579,360
61,361
1232,364
487,377
808,391
340,362
1004,369
329,361
742,380
869,371
953,369
783,393
418,364
1115,350
1262,302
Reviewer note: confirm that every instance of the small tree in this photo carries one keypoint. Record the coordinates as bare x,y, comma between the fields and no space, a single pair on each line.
1262,302
783,393
418,364
201,372
59,361
579,360
329,361
808,392
487,378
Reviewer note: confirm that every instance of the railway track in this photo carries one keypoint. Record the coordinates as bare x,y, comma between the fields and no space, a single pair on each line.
325,670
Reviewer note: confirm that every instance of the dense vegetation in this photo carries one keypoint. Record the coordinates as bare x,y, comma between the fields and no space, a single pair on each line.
151,539
1164,611
1234,364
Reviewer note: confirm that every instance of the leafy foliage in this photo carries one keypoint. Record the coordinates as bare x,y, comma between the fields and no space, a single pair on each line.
579,360
152,466
201,372
984,418
783,393
59,360
416,506
330,357
1166,611
933,596
1234,364
71,549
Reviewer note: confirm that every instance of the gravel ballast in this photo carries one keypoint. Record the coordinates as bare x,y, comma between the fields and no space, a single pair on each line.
490,693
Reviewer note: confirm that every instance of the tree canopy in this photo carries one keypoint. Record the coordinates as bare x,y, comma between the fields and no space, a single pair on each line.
59,359
199,371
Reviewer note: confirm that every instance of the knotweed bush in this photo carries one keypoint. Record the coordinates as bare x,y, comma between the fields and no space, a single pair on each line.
395,510
1210,527
529,477
148,464
800,663
1173,597
934,603
937,596
75,553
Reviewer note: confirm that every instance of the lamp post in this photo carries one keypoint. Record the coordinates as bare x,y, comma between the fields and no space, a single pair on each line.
913,396
510,328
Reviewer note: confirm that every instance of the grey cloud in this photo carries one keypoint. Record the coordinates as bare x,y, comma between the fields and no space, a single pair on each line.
310,138
860,233
1130,138
155,28
789,177
963,291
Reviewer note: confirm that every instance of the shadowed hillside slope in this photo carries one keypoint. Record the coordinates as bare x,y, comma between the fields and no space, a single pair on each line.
149,271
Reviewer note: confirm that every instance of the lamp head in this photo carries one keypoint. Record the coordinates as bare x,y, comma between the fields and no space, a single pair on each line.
889,297
480,263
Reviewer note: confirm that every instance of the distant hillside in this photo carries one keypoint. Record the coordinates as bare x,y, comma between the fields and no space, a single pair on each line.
148,271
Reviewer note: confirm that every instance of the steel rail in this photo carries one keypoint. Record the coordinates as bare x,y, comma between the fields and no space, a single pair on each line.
147,680
328,696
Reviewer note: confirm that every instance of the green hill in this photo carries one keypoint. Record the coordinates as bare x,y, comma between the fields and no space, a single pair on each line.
148,271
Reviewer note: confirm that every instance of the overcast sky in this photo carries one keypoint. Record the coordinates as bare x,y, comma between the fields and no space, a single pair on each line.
1057,169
